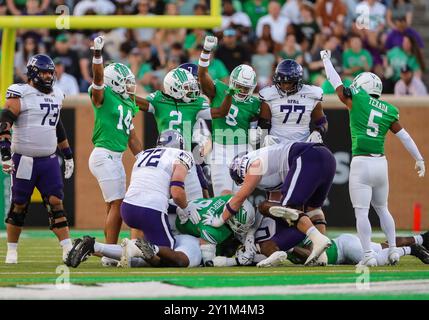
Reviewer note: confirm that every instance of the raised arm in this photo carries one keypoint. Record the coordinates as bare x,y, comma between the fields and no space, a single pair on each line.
134,143
411,147
97,95
206,81
335,80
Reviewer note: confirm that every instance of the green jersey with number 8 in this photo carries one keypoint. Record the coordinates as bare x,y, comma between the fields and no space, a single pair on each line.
113,121
228,130
370,120
172,114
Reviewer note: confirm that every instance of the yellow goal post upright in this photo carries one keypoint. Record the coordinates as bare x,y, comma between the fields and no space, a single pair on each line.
9,24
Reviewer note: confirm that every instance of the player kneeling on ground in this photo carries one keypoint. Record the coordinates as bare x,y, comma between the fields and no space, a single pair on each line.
156,174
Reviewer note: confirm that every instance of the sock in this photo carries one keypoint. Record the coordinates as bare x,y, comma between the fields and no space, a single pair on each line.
387,225
112,251
310,231
66,243
405,251
418,239
137,262
363,227
208,252
12,246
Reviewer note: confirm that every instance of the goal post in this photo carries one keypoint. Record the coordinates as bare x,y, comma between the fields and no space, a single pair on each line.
9,24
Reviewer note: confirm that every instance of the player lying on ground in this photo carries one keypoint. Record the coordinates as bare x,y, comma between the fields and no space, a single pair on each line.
370,120
303,171
230,132
112,96
157,174
32,112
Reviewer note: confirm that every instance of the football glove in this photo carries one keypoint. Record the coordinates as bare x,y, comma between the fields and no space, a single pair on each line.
69,164
212,220
420,167
98,43
192,213
7,166
325,54
315,136
210,42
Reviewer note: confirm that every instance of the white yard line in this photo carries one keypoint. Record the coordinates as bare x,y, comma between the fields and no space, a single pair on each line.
155,289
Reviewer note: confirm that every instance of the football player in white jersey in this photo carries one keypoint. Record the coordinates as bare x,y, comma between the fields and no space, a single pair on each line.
303,171
32,113
289,107
156,174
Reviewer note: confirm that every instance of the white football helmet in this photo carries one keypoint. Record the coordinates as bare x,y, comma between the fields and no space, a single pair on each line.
243,220
243,77
369,82
120,79
180,84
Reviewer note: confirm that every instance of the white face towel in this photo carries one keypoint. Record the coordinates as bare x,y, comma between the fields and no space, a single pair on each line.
25,168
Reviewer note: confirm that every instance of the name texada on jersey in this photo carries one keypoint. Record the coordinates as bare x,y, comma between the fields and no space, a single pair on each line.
291,115
151,176
34,133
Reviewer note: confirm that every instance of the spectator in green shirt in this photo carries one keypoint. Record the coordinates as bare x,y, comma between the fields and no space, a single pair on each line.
408,54
262,62
255,9
290,50
194,38
356,59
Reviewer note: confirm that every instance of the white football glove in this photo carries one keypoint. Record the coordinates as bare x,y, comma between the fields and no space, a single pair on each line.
270,140
7,166
192,213
98,43
212,220
249,244
315,137
210,42
69,164
325,54
244,257
420,167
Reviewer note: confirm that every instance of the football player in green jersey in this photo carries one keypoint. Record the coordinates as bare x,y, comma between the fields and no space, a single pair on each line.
370,120
178,107
114,107
229,133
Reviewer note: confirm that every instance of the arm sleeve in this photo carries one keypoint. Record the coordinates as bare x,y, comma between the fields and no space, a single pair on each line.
61,132
409,144
331,74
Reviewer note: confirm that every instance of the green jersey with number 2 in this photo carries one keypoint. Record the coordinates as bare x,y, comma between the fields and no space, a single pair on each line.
370,120
113,121
171,114
233,129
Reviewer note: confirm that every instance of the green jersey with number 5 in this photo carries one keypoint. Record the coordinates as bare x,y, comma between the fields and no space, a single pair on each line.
113,121
233,129
370,120
171,114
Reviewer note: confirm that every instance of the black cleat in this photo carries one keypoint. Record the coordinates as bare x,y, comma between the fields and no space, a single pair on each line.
420,252
147,249
67,261
81,250
425,237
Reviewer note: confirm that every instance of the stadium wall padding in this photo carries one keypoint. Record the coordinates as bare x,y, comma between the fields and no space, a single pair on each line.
405,187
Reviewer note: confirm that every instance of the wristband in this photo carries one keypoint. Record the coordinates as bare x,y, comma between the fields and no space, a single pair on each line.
205,55
97,60
202,63
179,184
231,210
97,87
67,153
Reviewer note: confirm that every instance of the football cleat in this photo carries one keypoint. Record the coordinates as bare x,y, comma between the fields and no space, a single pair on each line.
66,259
129,250
319,248
425,237
393,257
369,260
146,248
81,251
109,262
11,257
274,260
420,252
287,214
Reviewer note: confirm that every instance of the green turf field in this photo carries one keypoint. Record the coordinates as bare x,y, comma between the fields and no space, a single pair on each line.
36,276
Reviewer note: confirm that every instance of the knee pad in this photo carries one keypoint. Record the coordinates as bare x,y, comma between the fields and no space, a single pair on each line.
15,218
56,214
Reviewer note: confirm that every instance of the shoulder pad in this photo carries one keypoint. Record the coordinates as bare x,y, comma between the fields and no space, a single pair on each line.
313,92
186,159
268,93
16,90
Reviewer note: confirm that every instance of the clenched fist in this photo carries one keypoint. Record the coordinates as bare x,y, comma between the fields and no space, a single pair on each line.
210,42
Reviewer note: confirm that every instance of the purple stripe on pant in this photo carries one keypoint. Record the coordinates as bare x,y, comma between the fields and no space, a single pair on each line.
153,223
311,172
46,176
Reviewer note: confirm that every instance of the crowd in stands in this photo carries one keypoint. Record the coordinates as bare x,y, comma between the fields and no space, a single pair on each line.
368,35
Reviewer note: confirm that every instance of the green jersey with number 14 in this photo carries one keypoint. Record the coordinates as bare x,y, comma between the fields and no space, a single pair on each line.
171,114
113,121
370,120
233,129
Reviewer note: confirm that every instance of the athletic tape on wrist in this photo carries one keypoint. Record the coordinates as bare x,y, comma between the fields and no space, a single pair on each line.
97,60
97,87
202,63
205,55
